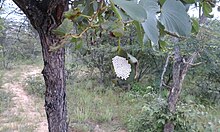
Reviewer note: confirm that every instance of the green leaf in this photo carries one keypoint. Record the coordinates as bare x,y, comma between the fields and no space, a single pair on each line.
118,30
195,26
150,6
161,121
150,24
150,28
189,1
79,45
123,15
134,10
72,14
73,40
64,28
162,2
207,9
1,27
162,45
175,18
95,5
122,52
139,31
117,27
107,25
161,29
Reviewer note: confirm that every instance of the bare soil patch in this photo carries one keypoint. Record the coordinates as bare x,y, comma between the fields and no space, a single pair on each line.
27,112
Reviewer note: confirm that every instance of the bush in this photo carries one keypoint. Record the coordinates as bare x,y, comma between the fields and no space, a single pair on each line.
189,116
197,117
151,119
141,89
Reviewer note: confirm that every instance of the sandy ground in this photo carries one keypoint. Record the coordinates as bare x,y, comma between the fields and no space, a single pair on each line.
26,111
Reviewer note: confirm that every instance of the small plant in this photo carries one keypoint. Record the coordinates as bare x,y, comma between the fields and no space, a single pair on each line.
35,86
5,100
141,89
151,118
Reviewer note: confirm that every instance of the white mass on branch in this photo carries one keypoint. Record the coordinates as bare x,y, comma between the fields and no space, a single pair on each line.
122,67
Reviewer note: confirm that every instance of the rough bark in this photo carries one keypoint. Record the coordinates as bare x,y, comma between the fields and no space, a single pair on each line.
45,16
180,68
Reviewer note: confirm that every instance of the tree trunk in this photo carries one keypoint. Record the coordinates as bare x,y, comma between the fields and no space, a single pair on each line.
175,90
180,68
46,15
54,76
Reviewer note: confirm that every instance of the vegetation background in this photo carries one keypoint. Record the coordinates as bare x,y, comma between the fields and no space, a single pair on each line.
98,100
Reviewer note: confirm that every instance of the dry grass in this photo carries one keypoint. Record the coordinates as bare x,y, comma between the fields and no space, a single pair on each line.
26,113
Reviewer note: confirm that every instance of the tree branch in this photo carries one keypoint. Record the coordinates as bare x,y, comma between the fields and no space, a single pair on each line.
164,70
187,64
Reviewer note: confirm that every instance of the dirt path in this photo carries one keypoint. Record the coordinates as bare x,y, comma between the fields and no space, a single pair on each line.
27,113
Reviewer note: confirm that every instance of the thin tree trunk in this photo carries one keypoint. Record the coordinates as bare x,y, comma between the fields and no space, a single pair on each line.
180,68
177,83
175,90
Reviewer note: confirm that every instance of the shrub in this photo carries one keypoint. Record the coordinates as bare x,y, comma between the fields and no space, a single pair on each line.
189,116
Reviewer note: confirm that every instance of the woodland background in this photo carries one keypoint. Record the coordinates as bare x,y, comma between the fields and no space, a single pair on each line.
100,100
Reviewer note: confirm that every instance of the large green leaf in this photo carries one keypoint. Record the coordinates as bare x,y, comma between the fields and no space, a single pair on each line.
207,9
64,28
150,5
150,28
195,26
139,31
189,1
175,18
134,10
150,24
117,27
118,30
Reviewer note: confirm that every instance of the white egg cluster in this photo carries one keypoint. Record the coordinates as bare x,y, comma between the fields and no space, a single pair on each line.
122,67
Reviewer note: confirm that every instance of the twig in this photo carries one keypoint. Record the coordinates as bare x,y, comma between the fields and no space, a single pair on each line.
162,76
164,70
174,35
77,36
164,84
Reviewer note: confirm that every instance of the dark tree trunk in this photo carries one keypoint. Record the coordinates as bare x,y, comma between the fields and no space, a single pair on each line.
45,16
180,68
55,95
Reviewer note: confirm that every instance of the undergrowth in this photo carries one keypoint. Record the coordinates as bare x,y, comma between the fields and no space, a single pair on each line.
5,100
35,86
5,97
139,109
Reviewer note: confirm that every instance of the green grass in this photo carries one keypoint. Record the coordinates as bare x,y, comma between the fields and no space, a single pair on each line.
35,86
90,104
20,128
5,97
101,105
113,109
5,101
